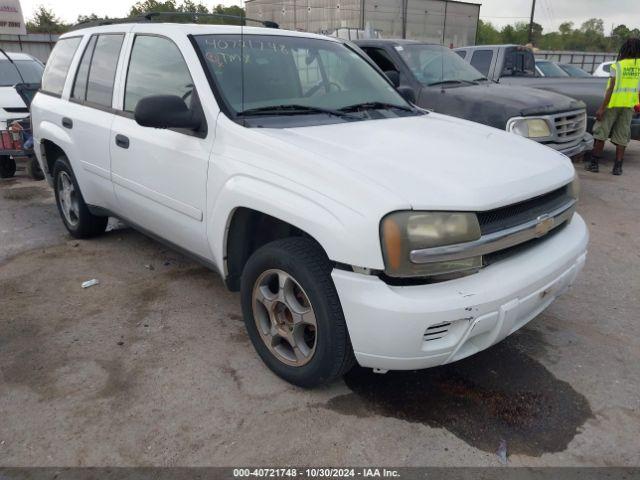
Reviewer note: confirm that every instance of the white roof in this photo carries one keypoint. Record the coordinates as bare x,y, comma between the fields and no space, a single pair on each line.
194,29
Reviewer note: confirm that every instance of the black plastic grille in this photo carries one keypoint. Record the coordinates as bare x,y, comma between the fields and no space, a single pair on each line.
512,215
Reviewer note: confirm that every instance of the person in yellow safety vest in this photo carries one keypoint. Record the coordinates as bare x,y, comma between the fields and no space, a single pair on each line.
616,113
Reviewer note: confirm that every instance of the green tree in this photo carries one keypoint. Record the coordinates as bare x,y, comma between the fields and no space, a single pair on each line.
190,6
232,10
89,18
488,34
45,21
566,29
144,6
593,26
589,37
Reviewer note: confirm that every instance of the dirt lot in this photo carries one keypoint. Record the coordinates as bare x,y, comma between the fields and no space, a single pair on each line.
153,366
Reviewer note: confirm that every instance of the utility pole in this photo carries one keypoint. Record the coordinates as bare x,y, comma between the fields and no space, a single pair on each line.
533,12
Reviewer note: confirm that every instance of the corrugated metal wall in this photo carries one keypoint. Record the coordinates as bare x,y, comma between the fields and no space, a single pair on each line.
37,44
439,21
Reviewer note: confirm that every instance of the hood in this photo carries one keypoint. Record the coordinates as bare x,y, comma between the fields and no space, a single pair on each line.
432,161
494,104
9,99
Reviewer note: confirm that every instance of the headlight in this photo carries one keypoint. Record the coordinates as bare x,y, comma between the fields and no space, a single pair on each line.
573,189
403,232
529,127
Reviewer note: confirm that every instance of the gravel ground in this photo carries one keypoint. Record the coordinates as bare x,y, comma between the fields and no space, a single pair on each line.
153,367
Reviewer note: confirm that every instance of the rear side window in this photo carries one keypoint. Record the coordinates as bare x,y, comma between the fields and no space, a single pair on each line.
481,60
55,74
97,71
156,67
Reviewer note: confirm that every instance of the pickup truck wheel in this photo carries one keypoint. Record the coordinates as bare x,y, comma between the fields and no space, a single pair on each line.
33,170
293,315
7,167
80,222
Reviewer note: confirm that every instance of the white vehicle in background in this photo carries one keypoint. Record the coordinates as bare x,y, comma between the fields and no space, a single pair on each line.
603,70
16,68
356,226
20,78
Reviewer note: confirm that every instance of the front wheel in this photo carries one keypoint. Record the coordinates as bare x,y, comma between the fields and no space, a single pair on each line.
75,214
293,315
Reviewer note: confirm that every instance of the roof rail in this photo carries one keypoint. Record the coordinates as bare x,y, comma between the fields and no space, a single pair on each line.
149,17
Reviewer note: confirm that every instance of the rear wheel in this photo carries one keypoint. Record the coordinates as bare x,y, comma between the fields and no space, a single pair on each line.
75,214
33,169
292,312
7,167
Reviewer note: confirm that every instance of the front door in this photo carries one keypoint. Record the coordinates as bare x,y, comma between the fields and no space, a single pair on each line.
160,176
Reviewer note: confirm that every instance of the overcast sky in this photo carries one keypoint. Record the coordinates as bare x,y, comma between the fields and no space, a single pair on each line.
549,13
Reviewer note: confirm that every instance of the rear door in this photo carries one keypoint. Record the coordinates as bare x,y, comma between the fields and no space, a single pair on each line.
160,176
89,114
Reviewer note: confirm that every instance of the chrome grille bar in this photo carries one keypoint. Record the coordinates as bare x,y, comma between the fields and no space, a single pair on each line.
497,241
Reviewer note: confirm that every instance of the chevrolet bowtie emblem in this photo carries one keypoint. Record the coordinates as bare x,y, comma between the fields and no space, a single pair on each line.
544,225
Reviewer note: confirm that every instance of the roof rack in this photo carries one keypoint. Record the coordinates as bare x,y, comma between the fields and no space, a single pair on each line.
149,17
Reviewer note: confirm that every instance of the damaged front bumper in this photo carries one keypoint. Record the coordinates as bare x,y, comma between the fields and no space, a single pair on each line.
574,150
414,327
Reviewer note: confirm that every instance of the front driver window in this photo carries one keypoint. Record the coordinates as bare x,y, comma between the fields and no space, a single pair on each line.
156,67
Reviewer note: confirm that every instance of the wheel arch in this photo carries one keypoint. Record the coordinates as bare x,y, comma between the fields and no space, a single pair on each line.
51,151
53,141
257,212
247,231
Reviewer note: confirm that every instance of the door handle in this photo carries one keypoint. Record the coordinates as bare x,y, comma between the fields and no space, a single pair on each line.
67,123
122,141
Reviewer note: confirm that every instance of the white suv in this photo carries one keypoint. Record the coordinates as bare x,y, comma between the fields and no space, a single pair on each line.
356,226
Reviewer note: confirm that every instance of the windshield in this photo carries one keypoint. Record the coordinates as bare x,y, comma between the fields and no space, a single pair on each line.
550,69
30,70
312,75
434,64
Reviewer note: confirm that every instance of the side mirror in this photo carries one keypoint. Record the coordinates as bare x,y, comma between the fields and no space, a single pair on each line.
394,77
407,93
166,111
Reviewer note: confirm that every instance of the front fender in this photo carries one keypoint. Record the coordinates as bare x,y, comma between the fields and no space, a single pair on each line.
344,234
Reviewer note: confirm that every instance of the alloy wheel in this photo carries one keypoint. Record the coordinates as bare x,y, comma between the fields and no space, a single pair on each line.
284,317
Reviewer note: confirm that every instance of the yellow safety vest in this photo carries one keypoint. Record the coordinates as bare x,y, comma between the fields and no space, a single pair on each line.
625,94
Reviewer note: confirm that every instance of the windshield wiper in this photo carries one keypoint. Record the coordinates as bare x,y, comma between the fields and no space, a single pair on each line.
375,106
292,109
455,82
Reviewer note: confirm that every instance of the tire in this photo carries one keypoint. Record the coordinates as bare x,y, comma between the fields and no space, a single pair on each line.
78,220
279,281
7,167
33,169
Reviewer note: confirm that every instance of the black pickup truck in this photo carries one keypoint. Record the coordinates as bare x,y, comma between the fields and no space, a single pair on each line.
515,65
438,79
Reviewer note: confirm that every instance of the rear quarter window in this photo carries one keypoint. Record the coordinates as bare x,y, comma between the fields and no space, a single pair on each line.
55,73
